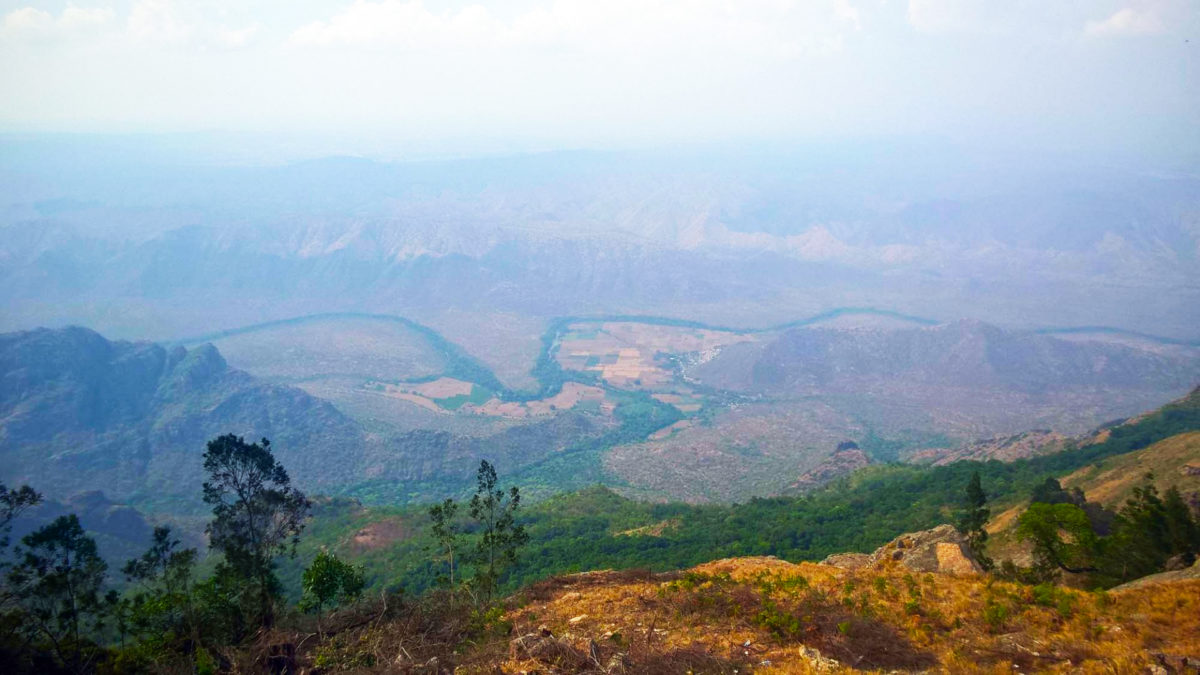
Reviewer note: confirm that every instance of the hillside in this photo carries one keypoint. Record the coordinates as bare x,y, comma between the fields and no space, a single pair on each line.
597,528
964,353
765,410
1172,461
764,615
78,413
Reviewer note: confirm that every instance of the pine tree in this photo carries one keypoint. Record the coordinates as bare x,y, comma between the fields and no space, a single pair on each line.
499,535
973,523
1183,533
448,536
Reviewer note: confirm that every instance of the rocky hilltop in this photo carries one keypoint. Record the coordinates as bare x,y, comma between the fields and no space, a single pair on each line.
78,412
765,615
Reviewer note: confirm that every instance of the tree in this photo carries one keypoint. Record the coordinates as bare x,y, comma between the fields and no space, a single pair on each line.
447,533
61,577
1050,491
1045,526
256,514
499,535
12,503
1183,533
163,605
327,582
1139,544
973,523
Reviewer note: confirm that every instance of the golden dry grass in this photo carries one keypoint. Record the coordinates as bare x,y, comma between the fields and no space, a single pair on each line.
1169,460
734,613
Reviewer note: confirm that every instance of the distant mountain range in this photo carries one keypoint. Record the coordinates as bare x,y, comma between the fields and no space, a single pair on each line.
961,354
140,247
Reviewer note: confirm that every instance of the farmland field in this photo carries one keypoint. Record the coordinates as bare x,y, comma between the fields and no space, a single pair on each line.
632,355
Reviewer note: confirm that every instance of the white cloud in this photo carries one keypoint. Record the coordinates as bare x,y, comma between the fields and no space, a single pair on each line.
33,22
774,27
941,16
148,23
407,24
236,37
82,18
157,21
1127,21
28,20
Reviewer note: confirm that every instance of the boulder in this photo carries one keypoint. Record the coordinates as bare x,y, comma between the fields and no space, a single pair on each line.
848,561
942,549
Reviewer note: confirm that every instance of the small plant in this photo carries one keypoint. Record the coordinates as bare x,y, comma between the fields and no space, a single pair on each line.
489,622
1049,595
994,614
780,622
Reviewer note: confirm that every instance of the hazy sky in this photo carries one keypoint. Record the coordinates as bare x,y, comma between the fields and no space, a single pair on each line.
1114,74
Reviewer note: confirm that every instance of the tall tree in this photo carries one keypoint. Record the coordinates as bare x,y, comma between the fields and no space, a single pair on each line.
12,503
61,577
257,514
1140,542
1061,535
1183,532
500,536
973,523
448,535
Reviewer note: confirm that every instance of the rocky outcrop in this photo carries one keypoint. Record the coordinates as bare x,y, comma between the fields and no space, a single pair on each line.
942,549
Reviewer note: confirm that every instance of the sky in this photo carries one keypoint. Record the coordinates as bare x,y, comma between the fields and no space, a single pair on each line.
1101,75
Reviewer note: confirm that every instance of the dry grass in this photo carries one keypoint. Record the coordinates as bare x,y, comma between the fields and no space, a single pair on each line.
767,615
1112,482
757,615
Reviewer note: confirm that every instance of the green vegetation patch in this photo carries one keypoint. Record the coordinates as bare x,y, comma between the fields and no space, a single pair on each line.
478,396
